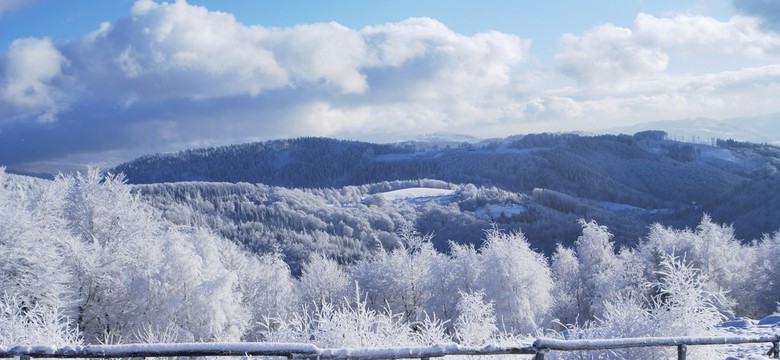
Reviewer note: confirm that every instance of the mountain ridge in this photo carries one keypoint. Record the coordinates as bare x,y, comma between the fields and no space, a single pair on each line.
756,129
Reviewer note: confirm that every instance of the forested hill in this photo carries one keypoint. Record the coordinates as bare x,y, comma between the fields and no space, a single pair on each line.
645,171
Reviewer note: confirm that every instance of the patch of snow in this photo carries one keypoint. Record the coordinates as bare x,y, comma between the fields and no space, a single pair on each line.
417,193
495,211
752,328
711,154
737,323
771,320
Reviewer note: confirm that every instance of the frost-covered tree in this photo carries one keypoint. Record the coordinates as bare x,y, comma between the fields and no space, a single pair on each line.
323,281
453,275
140,278
681,306
766,273
400,280
32,243
714,250
600,269
568,289
590,274
265,286
517,280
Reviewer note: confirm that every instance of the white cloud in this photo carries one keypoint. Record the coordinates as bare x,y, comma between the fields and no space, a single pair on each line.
462,63
32,66
607,55
740,34
174,50
171,50
743,92
10,5
180,67
552,108
330,53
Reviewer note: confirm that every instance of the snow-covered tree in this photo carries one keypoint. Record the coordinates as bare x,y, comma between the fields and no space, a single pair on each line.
323,281
714,250
568,289
517,280
32,269
766,273
681,306
400,280
451,276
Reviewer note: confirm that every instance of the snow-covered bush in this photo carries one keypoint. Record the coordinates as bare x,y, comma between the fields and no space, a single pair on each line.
681,306
476,322
354,326
23,323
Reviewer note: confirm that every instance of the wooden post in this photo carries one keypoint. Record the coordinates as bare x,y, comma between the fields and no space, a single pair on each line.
682,351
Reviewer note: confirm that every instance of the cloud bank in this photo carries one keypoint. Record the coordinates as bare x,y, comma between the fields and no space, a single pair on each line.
175,74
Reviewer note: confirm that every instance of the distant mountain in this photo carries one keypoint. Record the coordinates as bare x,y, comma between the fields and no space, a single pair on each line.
755,129
625,182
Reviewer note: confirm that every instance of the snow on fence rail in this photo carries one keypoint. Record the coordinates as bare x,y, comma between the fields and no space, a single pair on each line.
539,348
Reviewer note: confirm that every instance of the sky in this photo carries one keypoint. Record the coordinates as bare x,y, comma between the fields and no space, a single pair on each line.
95,81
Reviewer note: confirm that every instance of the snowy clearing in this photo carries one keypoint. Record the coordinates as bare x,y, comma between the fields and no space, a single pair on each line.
415,193
496,211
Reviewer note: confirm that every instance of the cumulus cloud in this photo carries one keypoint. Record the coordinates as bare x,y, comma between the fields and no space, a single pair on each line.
176,49
29,88
552,108
608,55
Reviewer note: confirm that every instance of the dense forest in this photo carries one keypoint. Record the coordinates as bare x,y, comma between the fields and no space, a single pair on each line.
638,179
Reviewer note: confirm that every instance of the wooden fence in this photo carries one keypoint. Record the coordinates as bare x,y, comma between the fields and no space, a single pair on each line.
539,348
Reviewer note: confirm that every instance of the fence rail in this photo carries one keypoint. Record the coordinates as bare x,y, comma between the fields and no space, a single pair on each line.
540,347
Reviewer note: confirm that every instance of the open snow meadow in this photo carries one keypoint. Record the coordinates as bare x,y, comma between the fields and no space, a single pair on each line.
390,179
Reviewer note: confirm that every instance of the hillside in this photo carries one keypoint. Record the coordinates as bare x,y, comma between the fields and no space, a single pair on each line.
625,182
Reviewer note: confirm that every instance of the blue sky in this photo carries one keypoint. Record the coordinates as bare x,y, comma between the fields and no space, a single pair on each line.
100,81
